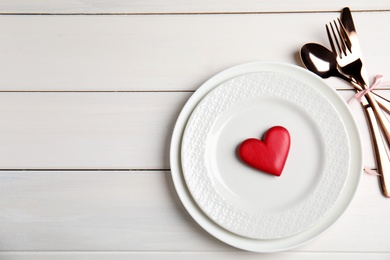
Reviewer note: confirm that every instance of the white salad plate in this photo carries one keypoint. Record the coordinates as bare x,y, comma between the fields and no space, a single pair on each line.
249,209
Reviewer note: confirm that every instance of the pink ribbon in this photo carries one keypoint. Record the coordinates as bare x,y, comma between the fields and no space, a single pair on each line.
370,171
376,84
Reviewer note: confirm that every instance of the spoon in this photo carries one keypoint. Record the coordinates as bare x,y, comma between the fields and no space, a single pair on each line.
321,61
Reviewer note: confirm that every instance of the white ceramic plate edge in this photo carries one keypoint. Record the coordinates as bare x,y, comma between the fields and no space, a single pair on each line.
275,245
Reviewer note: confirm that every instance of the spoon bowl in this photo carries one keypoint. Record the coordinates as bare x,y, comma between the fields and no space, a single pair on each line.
321,61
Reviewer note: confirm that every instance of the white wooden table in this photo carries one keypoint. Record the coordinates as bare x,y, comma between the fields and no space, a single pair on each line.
89,94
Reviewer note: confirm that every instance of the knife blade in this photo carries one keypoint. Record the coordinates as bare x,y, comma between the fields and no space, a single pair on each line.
346,20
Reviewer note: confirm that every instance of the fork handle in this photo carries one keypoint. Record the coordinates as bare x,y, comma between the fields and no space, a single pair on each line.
383,103
383,121
381,156
380,116
374,114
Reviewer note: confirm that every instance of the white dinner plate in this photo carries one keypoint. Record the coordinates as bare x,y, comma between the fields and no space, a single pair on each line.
246,201
225,183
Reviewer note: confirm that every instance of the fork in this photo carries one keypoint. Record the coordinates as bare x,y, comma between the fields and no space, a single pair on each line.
348,60
351,64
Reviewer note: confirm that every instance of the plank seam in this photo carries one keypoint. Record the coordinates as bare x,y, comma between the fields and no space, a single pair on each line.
187,13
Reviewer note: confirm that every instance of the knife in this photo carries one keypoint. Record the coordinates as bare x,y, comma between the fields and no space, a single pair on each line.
381,156
347,21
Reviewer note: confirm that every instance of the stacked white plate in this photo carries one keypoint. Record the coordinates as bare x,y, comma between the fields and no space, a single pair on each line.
247,208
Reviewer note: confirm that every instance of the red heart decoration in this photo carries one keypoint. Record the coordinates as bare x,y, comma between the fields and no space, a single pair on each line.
269,155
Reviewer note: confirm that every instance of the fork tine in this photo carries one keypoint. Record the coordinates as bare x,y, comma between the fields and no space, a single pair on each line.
339,39
345,36
331,40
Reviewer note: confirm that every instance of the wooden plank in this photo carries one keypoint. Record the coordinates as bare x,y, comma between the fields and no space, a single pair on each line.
188,255
87,130
102,211
140,211
95,130
195,6
168,52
